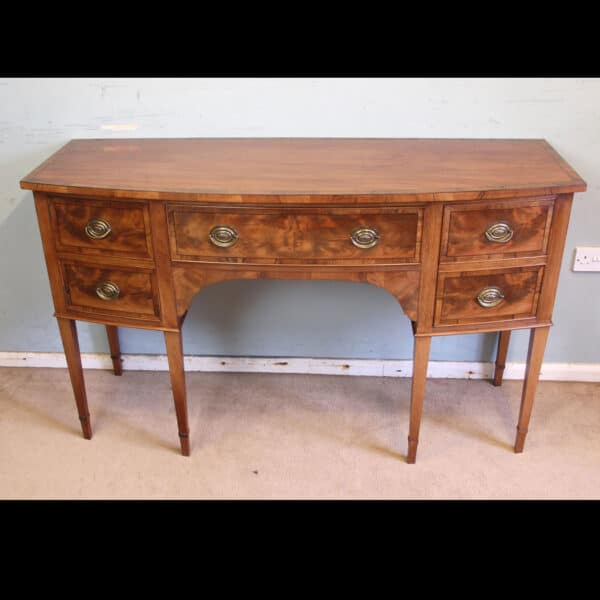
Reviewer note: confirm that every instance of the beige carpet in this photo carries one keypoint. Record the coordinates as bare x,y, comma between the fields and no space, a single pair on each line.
292,436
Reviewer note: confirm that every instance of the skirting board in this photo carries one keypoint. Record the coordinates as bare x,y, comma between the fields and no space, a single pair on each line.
314,366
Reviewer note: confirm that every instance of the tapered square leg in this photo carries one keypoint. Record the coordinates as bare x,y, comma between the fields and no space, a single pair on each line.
115,349
175,356
535,355
420,361
503,340
68,333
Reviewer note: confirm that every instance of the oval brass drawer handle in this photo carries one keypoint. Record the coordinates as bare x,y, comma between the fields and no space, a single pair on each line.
365,237
107,290
489,297
223,236
98,229
500,232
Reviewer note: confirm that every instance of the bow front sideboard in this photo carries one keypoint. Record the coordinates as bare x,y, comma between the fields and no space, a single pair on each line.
467,235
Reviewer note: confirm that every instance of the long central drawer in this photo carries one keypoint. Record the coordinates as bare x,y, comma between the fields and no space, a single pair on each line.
299,235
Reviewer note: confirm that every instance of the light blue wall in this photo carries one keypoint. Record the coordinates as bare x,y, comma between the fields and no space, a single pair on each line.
279,318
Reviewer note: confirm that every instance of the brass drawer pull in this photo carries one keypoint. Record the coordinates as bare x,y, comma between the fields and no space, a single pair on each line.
98,229
107,290
499,232
364,237
223,236
489,297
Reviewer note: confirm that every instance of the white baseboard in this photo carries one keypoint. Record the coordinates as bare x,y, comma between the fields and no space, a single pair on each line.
315,366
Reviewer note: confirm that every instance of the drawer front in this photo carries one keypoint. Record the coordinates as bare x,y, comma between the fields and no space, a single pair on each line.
487,296
101,227
509,229
127,292
296,236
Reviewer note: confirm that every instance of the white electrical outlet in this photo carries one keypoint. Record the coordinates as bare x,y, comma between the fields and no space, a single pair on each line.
587,258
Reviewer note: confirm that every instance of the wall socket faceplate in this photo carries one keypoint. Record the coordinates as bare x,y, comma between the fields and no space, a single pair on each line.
587,258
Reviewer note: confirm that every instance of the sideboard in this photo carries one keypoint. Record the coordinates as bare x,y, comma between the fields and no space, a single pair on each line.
467,235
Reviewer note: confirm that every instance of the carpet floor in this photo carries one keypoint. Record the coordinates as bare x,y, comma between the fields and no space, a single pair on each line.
293,436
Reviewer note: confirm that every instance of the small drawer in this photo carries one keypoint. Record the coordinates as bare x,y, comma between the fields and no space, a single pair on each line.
300,235
512,228
128,292
108,227
487,296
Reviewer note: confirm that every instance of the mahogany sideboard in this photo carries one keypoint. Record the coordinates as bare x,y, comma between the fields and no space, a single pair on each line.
467,235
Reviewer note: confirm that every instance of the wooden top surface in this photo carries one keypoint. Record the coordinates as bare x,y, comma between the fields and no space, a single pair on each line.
189,168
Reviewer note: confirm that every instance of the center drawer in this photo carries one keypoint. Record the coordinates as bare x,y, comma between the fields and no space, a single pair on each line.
300,235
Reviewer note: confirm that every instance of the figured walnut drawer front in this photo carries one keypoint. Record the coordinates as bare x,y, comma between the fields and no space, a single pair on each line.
487,296
513,227
106,227
263,236
127,292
